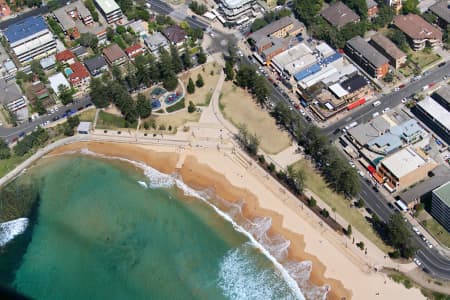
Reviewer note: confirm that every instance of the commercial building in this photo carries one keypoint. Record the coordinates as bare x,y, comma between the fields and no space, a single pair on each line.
440,205
58,82
75,19
276,37
110,10
386,47
10,95
442,96
372,8
338,15
404,168
435,116
48,63
442,11
367,57
234,10
30,39
438,177
96,65
156,41
114,55
418,31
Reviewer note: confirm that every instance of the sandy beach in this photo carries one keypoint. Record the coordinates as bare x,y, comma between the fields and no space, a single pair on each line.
234,181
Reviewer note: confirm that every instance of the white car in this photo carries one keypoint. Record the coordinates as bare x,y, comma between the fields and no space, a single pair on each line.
396,89
302,112
417,261
386,110
404,100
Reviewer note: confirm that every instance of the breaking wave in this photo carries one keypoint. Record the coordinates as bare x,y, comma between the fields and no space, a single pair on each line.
235,276
9,230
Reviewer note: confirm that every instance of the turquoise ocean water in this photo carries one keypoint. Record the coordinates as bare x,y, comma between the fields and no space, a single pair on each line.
106,229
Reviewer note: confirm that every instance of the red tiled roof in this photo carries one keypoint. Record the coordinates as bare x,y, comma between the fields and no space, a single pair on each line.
79,72
134,50
65,55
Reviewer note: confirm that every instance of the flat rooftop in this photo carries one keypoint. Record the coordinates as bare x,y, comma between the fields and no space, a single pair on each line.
443,193
403,162
434,109
292,54
25,28
368,51
107,6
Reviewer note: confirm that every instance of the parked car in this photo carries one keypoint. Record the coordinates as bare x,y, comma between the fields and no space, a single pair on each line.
404,100
386,110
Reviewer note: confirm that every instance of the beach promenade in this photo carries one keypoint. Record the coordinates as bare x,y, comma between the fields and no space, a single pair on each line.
210,146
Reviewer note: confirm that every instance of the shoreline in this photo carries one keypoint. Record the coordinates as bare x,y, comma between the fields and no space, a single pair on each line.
201,169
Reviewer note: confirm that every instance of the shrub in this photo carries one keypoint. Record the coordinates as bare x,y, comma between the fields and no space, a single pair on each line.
324,212
162,127
271,168
312,202
191,107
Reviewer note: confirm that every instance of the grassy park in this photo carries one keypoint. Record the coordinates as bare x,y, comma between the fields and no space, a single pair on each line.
111,121
210,73
87,115
315,183
437,231
423,58
239,107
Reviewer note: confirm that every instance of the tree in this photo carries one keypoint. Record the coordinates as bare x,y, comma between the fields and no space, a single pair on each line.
389,77
312,202
5,152
229,72
384,17
73,121
306,10
99,94
399,235
143,106
170,82
198,8
91,7
199,82
89,40
360,6
190,87
186,57
360,203
261,90
65,94
410,6
348,232
429,17
191,107
201,57
175,59
258,24
37,69
109,34
399,39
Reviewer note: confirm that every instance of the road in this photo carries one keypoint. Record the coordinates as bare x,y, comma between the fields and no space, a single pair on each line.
10,134
364,113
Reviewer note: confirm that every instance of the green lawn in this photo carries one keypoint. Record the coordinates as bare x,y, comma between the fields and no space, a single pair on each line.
8,165
423,59
318,186
177,106
109,121
87,115
406,70
437,231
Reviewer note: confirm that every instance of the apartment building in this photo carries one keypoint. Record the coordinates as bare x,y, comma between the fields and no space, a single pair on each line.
233,10
10,95
339,14
385,46
440,205
30,39
110,10
367,57
419,32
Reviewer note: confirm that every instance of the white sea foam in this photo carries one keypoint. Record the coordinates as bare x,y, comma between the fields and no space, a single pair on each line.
240,278
255,230
9,230
142,183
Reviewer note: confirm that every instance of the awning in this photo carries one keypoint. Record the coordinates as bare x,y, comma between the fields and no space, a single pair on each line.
377,177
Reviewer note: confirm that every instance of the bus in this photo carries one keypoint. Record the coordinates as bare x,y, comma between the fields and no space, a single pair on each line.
259,58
